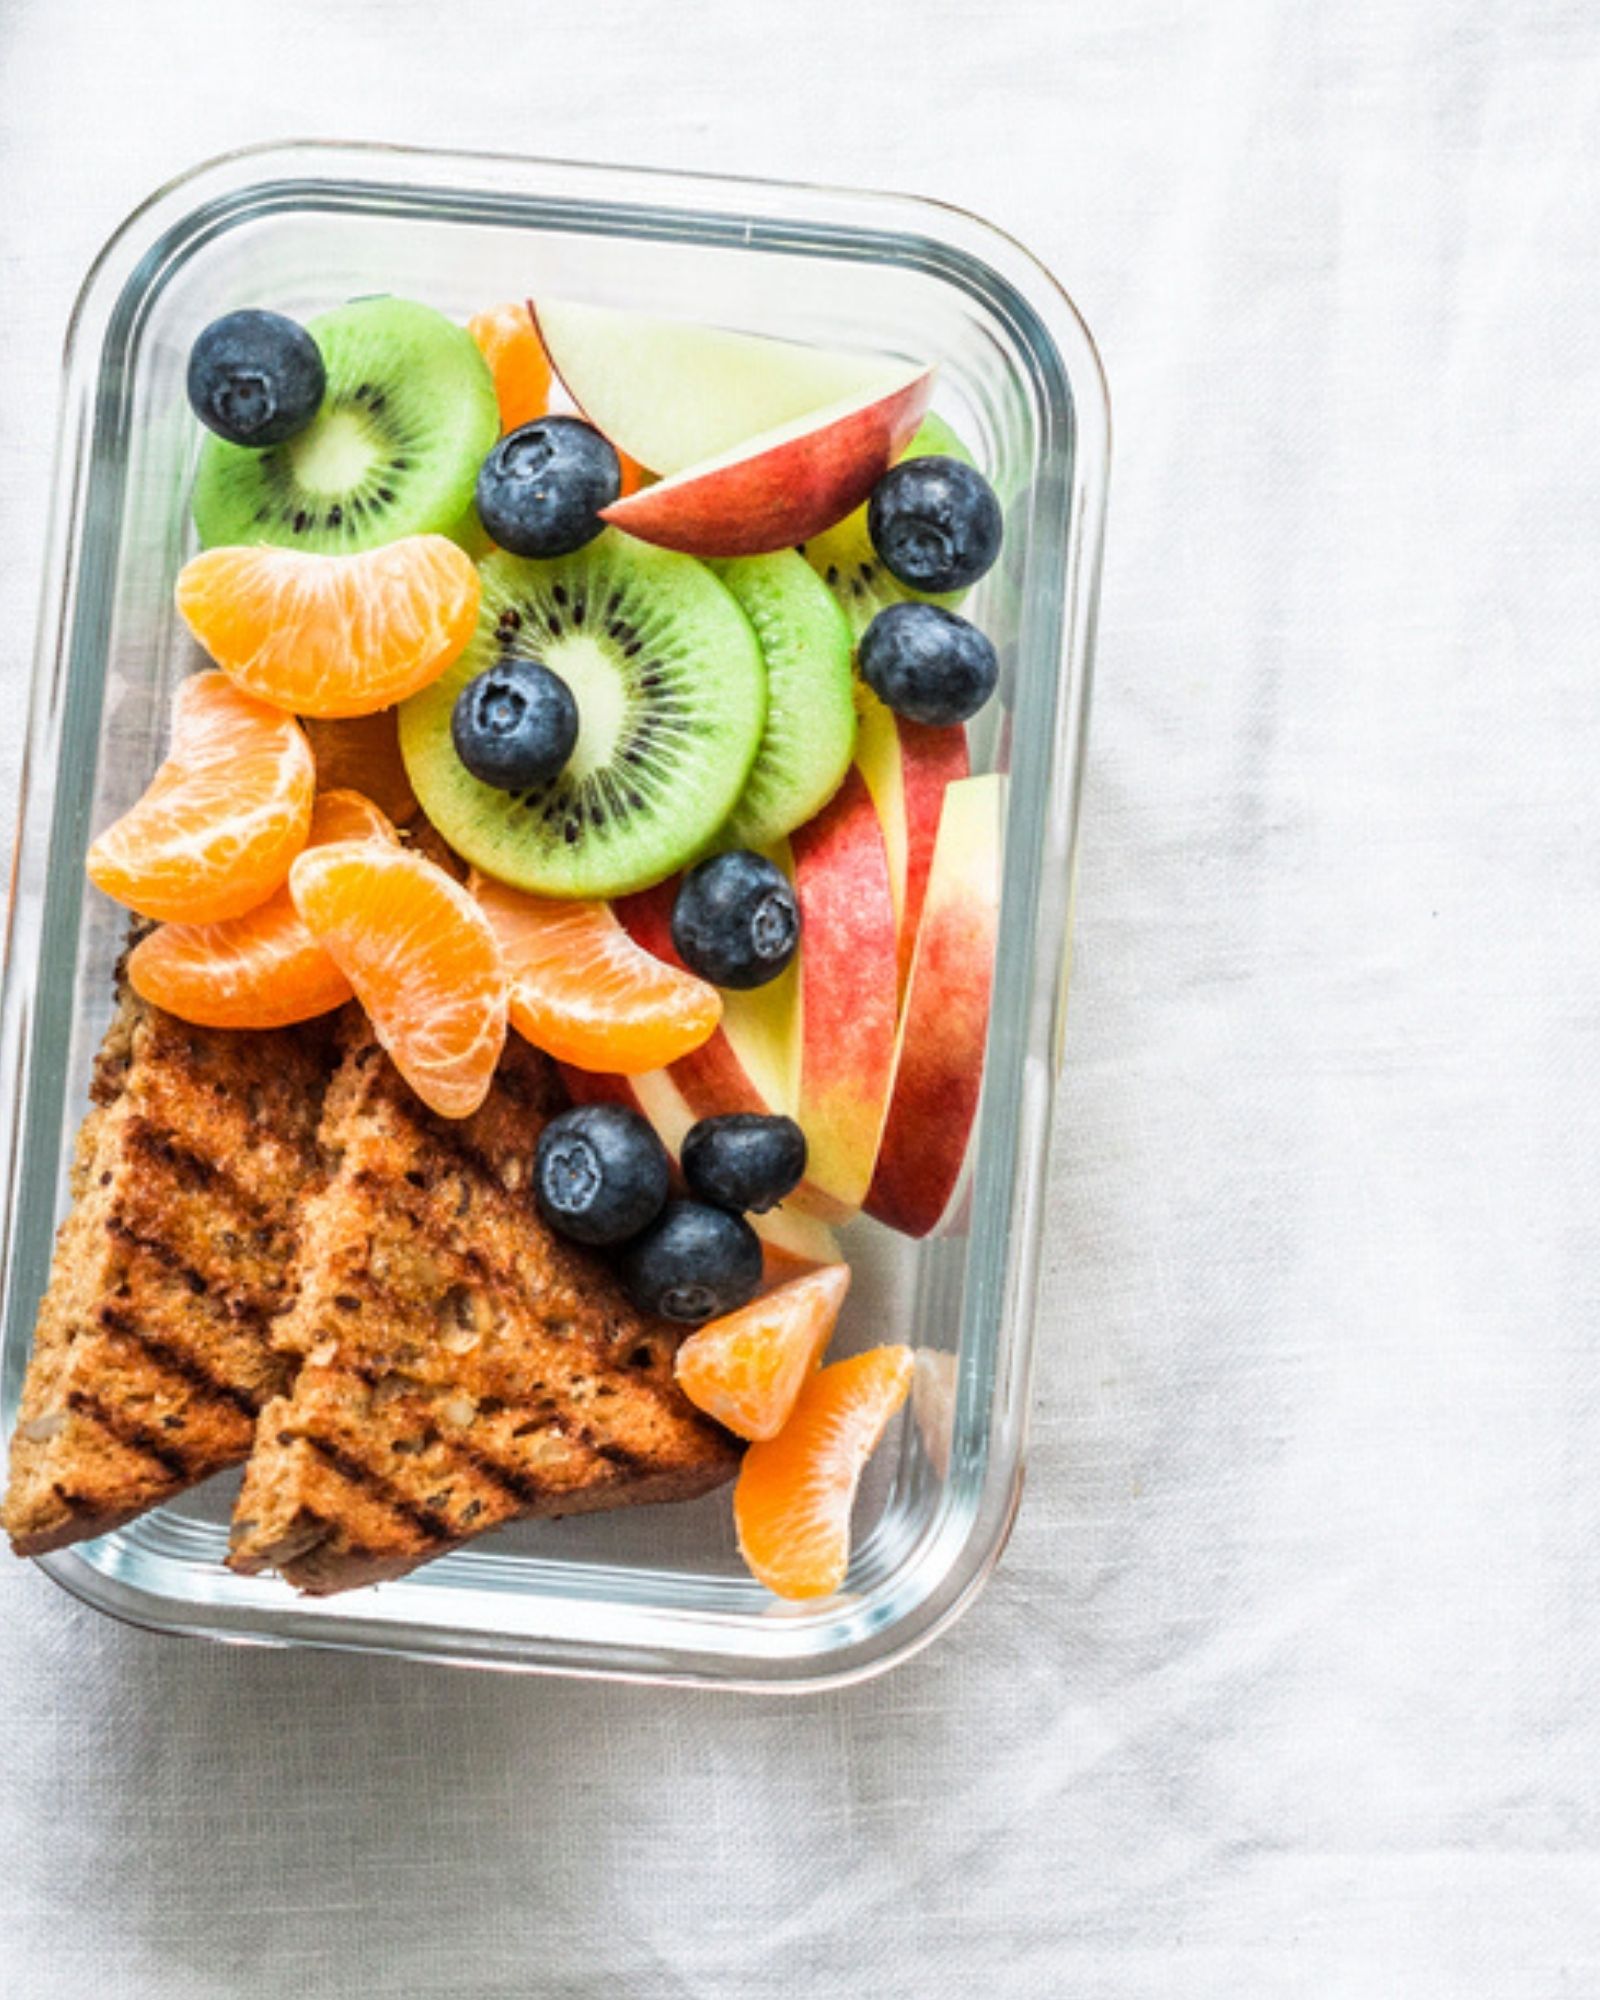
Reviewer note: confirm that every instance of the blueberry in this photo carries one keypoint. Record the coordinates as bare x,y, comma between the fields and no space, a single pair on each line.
695,1264
600,1174
735,920
515,724
255,378
935,522
541,489
927,664
744,1161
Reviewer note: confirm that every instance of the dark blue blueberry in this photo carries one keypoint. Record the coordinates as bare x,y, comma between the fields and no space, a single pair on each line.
927,664
735,920
541,489
515,724
935,522
255,378
601,1173
695,1264
742,1160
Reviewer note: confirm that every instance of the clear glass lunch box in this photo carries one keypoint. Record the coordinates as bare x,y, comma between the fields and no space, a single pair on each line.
650,1593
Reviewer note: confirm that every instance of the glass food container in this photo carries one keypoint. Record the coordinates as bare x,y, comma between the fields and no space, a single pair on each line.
649,1593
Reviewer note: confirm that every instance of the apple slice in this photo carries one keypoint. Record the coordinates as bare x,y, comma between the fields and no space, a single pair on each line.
907,766
848,999
939,1058
672,393
793,1243
653,1094
751,1062
781,486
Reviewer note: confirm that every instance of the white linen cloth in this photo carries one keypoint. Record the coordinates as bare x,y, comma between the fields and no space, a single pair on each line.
1287,1685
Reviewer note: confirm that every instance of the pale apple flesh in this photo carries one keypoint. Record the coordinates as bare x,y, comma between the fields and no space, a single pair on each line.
907,766
780,487
848,993
674,393
944,1026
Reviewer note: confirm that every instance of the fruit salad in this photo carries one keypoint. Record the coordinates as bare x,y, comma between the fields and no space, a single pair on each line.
602,680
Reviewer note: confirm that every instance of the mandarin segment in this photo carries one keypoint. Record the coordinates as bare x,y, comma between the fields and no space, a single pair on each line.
362,753
585,993
219,824
332,635
264,969
795,1492
422,959
517,361
748,1368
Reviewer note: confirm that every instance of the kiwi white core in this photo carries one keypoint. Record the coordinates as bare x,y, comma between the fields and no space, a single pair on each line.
336,455
602,700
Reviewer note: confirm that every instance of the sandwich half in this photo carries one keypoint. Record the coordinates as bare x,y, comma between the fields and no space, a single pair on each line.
152,1354
459,1365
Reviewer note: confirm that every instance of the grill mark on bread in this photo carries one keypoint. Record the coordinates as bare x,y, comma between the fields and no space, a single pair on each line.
526,1488
224,1294
367,1479
129,1433
159,1148
607,1448
523,1487
178,1361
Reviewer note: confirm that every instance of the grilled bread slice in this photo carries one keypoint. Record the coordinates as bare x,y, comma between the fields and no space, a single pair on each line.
151,1356
461,1365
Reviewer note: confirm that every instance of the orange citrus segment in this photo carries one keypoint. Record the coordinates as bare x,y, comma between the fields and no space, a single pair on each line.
633,473
517,361
223,817
585,993
422,959
332,635
793,1500
747,1369
362,752
264,969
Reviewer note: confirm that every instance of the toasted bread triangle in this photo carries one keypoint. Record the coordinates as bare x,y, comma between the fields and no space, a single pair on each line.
152,1353
460,1365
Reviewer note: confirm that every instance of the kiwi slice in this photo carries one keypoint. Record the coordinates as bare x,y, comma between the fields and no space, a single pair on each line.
671,697
409,415
810,734
848,563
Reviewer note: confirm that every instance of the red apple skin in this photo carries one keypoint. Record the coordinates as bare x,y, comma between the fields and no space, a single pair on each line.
848,994
940,1064
777,497
931,759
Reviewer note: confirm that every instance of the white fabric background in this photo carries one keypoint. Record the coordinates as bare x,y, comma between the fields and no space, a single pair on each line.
1287,1685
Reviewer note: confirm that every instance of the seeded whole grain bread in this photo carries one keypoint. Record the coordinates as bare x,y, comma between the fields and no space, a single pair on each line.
152,1356
460,1365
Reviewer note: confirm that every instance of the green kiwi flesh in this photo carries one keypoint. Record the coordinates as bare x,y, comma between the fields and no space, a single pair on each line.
810,733
672,700
408,418
847,562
